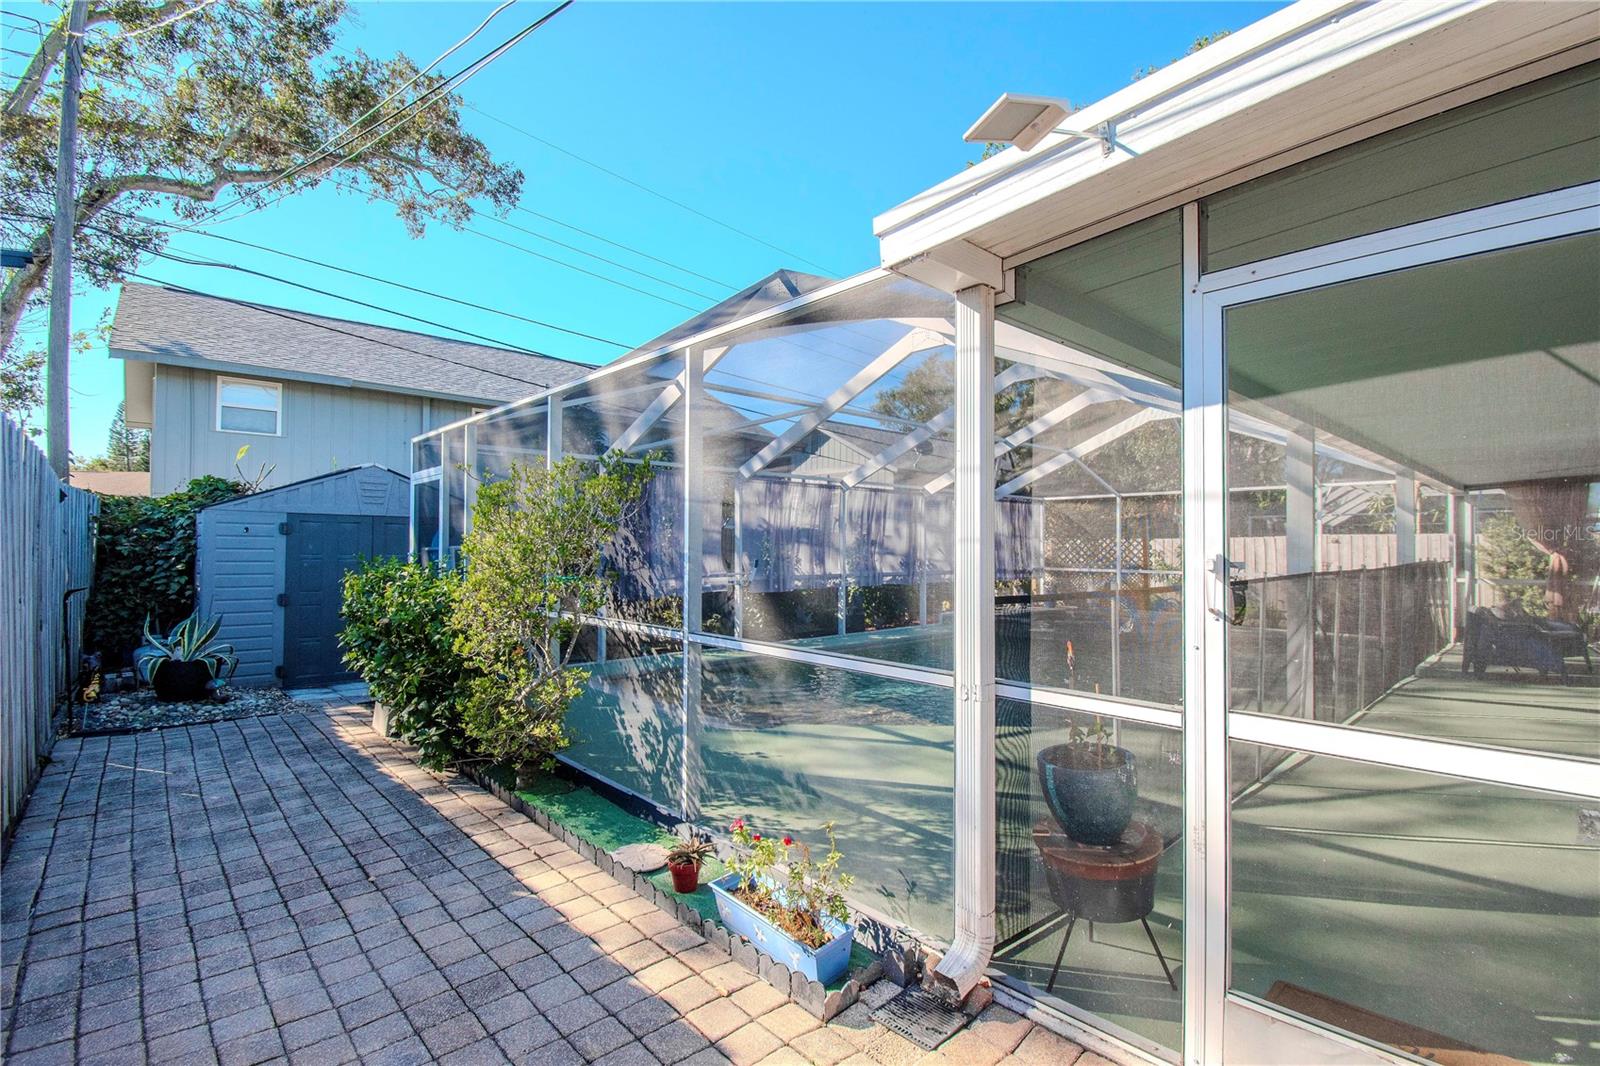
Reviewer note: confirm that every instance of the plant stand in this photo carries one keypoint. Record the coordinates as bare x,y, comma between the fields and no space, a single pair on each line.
1101,884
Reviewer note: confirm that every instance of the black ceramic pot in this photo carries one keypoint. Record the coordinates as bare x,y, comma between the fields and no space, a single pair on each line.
179,682
1094,805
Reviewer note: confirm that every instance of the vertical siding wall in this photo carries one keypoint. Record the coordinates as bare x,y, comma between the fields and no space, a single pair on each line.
239,573
46,548
325,428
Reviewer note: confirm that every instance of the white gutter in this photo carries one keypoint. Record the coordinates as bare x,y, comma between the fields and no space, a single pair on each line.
1142,94
1300,82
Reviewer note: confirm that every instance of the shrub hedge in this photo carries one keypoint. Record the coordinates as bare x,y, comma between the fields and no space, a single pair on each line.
398,637
144,565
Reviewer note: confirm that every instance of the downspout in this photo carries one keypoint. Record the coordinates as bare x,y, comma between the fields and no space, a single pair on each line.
962,968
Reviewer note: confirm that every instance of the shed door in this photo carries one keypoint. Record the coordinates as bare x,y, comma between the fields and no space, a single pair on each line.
320,549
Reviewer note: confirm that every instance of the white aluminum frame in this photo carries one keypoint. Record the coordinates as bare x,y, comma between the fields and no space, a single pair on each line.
1222,1025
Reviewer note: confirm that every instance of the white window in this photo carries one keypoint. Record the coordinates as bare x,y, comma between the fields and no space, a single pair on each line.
245,406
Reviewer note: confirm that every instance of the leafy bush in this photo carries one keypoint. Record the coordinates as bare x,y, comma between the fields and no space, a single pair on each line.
1504,551
535,562
398,637
144,564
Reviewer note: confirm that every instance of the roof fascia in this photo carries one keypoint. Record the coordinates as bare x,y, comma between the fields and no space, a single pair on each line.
1270,57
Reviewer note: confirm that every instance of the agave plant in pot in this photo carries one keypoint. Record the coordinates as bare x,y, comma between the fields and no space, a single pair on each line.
684,862
790,906
183,665
1090,784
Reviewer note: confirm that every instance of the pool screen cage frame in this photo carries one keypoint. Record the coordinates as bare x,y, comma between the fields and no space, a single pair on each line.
1206,725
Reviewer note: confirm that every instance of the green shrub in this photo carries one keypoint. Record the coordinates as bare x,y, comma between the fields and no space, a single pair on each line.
534,562
397,635
144,564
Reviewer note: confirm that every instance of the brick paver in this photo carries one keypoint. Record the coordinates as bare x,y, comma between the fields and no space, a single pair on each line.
296,889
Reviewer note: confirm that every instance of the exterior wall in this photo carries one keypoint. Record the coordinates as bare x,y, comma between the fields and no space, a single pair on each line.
240,557
239,573
324,428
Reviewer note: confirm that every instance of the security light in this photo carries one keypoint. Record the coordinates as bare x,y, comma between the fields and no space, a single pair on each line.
1024,120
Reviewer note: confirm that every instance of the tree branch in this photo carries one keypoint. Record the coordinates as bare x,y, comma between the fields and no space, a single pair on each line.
54,45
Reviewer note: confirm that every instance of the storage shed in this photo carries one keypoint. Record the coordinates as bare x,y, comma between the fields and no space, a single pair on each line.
270,565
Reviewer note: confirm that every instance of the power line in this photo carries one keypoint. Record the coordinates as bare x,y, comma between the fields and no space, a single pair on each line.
579,269
625,247
385,281
142,30
193,228
342,137
189,261
592,255
645,188
442,91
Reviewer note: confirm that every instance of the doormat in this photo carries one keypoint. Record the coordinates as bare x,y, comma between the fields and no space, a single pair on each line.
921,1017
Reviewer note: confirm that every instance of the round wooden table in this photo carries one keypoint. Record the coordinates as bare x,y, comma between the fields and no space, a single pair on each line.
1101,884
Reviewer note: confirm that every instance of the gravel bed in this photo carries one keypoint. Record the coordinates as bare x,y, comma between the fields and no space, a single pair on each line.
131,711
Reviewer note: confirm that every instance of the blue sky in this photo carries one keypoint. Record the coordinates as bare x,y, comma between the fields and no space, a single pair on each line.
795,123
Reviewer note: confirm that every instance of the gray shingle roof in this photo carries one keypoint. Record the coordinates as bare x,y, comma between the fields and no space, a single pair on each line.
169,325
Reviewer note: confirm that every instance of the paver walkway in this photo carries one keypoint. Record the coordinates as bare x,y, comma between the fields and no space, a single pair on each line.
297,889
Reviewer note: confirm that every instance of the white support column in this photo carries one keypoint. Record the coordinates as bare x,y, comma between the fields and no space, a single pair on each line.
740,577
922,558
553,432
694,524
1300,533
1116,609
842,530
1041,545
1205,686
962,967
1464,561
469,486
442,557
1452,504
1405,517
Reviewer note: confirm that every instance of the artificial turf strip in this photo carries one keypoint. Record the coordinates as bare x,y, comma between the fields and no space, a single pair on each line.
592,817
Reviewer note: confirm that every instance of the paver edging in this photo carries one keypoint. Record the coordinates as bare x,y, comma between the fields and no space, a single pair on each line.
811,996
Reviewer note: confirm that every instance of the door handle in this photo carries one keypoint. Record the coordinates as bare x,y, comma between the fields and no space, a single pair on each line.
1238,591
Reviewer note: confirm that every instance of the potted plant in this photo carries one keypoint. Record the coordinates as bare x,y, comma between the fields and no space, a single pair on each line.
183,664
685,861
1090,784
789,906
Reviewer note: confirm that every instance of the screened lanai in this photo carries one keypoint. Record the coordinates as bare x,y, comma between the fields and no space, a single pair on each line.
1295,492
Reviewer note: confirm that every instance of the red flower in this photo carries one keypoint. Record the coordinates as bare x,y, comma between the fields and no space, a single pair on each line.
788,842
755,836
738,823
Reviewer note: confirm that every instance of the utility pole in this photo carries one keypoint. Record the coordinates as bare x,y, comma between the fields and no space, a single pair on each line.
61,247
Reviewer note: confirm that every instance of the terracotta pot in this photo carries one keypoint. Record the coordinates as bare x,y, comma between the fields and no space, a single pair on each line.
685,877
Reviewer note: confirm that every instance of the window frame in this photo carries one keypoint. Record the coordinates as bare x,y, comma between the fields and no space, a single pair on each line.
276,409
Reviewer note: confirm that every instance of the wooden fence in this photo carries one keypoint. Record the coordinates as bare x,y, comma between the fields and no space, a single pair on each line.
46,563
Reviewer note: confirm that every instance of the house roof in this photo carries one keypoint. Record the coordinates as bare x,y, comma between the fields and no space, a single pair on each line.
112,482
161,324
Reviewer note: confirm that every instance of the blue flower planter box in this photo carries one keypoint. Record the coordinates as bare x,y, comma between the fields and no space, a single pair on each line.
824,965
